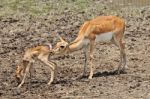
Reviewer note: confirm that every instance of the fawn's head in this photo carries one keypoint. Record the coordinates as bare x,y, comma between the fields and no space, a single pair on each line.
20,70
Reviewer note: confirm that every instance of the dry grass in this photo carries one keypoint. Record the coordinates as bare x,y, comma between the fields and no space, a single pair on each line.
43,7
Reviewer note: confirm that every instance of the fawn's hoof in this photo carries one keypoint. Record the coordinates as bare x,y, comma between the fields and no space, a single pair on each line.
18,86
90,77
49,83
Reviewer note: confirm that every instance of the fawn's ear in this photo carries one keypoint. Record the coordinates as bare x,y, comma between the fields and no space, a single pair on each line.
50,46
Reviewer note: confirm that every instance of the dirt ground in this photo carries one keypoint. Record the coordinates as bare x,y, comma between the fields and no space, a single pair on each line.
19,32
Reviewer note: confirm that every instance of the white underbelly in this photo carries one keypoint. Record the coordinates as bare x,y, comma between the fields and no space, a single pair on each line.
104,37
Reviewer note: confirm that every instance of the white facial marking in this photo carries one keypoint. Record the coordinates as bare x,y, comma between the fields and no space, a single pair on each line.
104,37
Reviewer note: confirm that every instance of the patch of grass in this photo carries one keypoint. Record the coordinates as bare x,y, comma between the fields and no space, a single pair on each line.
24,6
89,8
82,4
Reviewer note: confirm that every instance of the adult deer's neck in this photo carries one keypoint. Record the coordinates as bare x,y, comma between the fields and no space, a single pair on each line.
77,44
80,41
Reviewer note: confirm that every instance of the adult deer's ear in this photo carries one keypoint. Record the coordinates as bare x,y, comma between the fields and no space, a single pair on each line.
61,39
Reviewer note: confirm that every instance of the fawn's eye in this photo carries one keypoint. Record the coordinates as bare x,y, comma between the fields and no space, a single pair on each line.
62,46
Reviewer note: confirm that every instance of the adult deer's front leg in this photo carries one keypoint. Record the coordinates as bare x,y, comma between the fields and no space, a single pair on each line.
91,59
85,59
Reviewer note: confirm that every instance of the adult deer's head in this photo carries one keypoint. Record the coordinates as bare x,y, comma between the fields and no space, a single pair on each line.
61,46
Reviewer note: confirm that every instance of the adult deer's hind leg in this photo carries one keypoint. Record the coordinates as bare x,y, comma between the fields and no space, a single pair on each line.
124,58
117,40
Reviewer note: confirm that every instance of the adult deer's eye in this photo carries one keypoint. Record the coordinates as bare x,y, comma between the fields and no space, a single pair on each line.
62,47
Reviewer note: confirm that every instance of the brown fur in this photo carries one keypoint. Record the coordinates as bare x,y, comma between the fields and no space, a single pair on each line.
42,53
87,36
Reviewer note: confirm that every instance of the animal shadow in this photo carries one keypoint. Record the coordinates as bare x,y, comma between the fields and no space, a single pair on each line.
108,73
102,74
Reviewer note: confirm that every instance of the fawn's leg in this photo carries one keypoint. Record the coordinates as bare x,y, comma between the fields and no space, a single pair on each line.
44,59
25,74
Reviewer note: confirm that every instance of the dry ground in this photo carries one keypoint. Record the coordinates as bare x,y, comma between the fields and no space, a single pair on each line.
15,38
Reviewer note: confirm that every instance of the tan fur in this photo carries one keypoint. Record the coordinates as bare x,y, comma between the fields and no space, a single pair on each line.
42,53
112,26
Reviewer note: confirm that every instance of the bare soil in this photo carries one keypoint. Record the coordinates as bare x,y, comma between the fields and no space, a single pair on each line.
16,37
